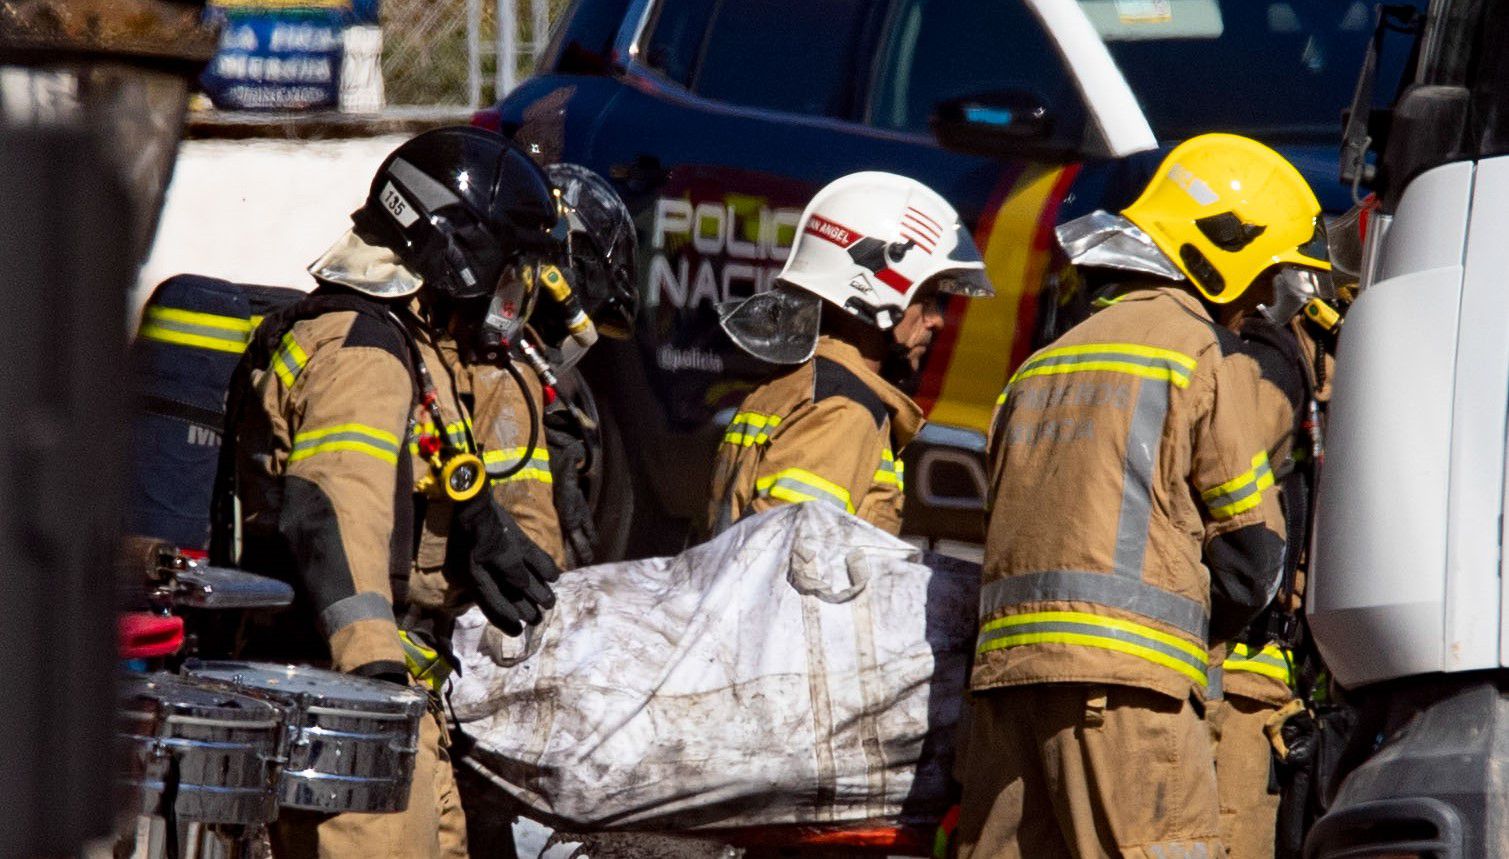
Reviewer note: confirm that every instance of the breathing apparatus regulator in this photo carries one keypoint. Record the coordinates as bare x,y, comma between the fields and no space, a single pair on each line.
455,472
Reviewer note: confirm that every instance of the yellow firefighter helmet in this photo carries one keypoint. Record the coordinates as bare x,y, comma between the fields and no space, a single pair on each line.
1226,208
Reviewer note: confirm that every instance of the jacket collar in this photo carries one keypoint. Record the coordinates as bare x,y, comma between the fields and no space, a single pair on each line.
1150,292
906,416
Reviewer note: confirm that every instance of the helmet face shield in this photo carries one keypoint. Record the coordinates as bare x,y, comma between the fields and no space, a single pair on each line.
1293,288
601,247
969,278
779,326
1318,249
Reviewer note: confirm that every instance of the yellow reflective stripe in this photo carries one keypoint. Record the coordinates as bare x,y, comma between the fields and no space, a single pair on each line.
538,468
1241,493
230,324
1137,349
198,341
539,474
354,437
1148,362
750,428
1091,630
1272,661
194,329
1084,640
288,362
796,485
1260,461
1158,635
1160,374
511,455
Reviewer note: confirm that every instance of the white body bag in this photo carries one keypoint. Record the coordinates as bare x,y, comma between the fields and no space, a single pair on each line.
803,667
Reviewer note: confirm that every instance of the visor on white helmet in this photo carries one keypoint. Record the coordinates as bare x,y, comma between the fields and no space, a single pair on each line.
968,278
779,326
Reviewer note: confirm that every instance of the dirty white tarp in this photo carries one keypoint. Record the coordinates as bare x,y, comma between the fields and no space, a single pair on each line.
804,667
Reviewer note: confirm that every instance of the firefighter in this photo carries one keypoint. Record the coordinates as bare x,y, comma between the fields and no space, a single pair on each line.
1133,520
593,291
861,296
1255,680
353,463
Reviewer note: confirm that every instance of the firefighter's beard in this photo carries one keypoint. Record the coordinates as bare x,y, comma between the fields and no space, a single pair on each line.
902,365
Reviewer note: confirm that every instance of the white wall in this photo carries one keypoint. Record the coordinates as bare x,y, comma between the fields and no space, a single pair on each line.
259,211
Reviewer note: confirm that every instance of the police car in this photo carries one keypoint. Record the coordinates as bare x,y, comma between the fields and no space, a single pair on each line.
718,119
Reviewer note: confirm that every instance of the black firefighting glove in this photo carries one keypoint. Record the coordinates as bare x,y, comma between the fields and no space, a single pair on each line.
508,574
568,456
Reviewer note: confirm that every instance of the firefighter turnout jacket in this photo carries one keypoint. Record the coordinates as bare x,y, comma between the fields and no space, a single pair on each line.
830,430
328,477
1121,455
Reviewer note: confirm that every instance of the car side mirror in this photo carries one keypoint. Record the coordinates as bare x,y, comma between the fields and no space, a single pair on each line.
1008,123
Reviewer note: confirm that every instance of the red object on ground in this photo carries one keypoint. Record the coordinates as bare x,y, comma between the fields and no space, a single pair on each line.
143,635
878,838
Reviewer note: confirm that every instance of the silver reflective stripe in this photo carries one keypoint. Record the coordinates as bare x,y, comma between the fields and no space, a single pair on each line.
1215,683
430,193
1095,631
1143,439
1182,613
367,605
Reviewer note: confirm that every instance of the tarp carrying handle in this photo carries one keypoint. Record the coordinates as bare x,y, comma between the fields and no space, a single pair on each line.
800,576
534,637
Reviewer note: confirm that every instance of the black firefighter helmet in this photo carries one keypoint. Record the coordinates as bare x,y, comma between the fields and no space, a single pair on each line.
469,212
601,248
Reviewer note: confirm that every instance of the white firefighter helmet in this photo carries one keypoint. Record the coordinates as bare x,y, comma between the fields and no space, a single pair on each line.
868,243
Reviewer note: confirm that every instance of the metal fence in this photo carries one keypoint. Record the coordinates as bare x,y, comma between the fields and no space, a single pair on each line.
461,52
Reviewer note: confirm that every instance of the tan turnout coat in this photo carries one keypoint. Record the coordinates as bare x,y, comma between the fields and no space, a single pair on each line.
830,430
1115,454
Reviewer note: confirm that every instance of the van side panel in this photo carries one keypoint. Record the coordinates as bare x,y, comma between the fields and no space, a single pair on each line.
1377,596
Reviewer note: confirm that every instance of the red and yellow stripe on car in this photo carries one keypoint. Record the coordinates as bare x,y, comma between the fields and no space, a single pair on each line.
986,339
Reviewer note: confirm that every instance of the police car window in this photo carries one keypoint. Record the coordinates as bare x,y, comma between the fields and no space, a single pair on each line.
941,49
1280,70
788,55
676,36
